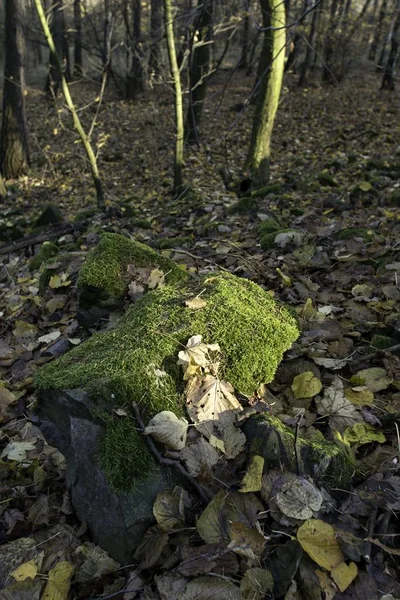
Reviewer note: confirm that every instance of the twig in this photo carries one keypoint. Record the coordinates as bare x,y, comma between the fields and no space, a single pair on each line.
371,529
375,354
168,462
394,551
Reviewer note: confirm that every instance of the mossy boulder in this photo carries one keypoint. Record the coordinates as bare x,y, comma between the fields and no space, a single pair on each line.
105,277
110,471
316,457
46,251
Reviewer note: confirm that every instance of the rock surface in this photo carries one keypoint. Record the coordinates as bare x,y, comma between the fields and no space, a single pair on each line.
117,521
111,475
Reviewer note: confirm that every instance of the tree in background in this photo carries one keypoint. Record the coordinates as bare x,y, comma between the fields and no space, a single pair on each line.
269,82
155,39
78,60
61,44
176,78
388,75
200,68
14,150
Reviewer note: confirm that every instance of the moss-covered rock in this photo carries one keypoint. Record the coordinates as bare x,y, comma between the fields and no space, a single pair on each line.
105,275
244,206
252,329
46,251
349,233
317,457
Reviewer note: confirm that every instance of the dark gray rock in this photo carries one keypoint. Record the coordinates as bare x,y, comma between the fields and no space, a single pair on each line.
51,214
117,522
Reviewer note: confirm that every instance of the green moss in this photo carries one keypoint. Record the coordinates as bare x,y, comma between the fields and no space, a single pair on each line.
267,241
105,274
353,232
317,456
381,342
123,453
326,179
269,226
272,188
47,250
243,206
142,223
87,213
252,329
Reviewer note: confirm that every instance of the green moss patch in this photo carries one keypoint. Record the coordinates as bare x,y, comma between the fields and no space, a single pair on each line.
137,359
105,275
46,251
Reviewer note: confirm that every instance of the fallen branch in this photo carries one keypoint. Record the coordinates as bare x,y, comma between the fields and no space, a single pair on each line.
169,462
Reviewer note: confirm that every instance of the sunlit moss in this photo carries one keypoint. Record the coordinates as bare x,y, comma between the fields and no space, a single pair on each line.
105,272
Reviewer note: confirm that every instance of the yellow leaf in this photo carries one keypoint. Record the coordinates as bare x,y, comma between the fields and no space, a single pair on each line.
306,385
252,480
343,575
318,539
196,303
365,186
57,587
26,571
286,280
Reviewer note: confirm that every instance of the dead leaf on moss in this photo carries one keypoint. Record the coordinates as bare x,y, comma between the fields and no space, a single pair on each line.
196,303
252,480
156,279
168,429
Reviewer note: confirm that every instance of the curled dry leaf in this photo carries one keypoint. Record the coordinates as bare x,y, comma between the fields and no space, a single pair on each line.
168,429
299,499
196,353
200,458
169,509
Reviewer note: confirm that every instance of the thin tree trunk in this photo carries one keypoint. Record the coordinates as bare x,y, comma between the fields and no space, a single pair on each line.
378,31
243,62
176,77
78,60
310,48
327,73
135,79
54,75
68,99
14,151
270,75
388,75
155,34
199,70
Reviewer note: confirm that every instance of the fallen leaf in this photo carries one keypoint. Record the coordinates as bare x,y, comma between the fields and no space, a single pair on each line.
360,395
168,429
306,385
49,337
318,539
27,570
196,352
256,583
209,588
299,499
252,480
200,458
17,450
247,542
96,563
151,547
343,575
156,279
196,303
342,413
58,281
375,379
363,433
59,581
168,509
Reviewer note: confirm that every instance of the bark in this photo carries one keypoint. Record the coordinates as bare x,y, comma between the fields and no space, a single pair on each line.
78,60
156,35
68,99
388,75
270,75
378,31
14,151
310,48
327,73
199,69
135,79
61,45
244,62
176,78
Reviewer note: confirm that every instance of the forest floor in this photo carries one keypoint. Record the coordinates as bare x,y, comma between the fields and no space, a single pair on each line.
336,158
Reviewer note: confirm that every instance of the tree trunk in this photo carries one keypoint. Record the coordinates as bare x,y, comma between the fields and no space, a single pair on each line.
388,75
14,151
244,62
78,60
199,69
58,34
270,75
156,36
327,73
68,99
176,78
135,79
310,48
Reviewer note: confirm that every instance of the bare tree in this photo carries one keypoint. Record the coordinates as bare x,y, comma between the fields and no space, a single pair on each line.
388,75
78,60
14,150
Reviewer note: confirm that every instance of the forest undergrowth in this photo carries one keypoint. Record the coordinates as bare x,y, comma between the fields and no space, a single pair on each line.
323,238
